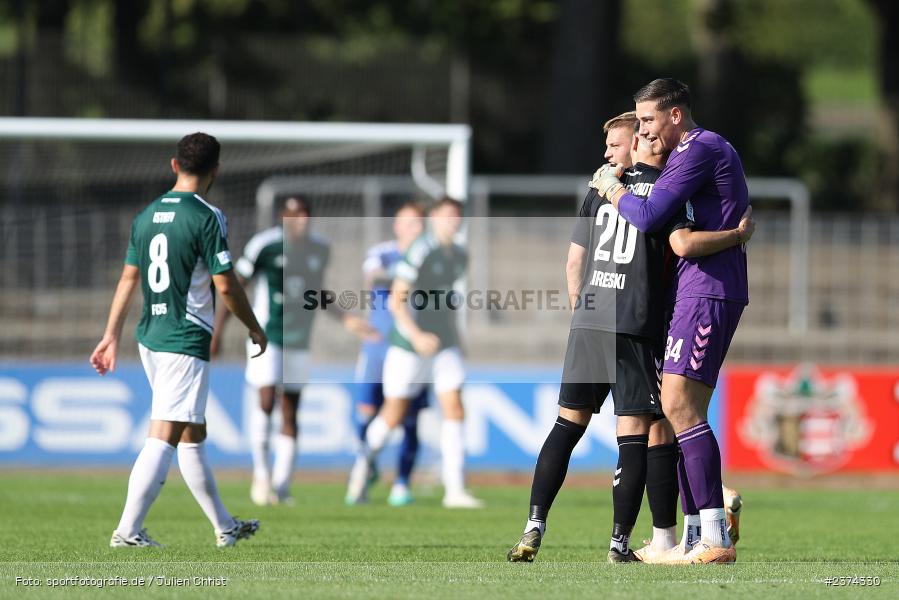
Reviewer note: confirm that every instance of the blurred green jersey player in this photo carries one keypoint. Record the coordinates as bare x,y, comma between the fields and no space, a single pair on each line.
284,261
424,347
379,269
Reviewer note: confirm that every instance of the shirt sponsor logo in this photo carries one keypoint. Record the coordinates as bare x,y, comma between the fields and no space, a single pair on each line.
224,257
604,279
643,189
171,200
163,217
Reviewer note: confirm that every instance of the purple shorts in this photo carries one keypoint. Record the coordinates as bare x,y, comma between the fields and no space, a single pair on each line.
699,334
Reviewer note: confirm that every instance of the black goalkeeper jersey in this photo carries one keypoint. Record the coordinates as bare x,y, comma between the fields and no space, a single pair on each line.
624,284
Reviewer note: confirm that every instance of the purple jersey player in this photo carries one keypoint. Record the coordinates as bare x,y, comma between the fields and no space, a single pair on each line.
704,173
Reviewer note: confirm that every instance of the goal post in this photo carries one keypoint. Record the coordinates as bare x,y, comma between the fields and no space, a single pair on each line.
72,186
457,138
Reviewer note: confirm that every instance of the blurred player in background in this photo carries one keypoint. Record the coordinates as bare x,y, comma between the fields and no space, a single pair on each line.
305,256
424,346
379,266
177,251
703,173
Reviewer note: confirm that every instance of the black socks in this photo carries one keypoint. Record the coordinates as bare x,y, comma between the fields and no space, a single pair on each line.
629,483
552,466
661,484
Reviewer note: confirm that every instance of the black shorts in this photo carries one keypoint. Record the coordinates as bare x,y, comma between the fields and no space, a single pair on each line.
597,362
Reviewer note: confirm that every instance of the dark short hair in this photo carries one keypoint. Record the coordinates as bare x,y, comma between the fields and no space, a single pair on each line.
198,153
297,204
666,92
446,201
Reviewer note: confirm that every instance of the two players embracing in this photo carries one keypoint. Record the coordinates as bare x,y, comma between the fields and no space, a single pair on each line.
669,183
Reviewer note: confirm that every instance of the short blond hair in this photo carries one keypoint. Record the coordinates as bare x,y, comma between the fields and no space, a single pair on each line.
625,119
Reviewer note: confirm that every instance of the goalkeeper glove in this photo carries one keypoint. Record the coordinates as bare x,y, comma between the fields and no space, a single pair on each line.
605,181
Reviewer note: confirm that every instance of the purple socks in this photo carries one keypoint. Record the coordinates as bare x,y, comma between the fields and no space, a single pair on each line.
699,469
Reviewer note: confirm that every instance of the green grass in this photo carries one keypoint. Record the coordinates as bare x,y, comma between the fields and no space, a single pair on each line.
58,525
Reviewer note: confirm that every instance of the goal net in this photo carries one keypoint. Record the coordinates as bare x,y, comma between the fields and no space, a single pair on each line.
72,187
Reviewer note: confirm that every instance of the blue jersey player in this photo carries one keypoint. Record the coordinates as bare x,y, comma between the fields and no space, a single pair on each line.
378,268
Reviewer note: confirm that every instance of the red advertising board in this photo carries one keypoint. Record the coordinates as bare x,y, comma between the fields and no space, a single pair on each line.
809,420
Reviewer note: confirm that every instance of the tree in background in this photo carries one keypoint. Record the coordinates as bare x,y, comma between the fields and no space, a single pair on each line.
792,84
887,12
756,102
719,61
131,58
584,87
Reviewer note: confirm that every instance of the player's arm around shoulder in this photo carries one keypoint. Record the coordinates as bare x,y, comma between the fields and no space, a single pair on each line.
688,243
691,166
104,356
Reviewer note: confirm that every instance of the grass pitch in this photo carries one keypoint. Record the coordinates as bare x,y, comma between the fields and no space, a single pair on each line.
54,526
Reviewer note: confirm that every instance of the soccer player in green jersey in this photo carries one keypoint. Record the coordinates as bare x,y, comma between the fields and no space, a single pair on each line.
178,250
424,347
285,261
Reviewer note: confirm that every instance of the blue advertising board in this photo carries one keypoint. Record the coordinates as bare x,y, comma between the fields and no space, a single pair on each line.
66,415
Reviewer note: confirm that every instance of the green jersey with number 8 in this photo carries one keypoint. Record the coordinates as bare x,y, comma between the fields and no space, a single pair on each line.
178,242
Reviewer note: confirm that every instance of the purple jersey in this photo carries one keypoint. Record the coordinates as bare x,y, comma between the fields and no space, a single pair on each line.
705,173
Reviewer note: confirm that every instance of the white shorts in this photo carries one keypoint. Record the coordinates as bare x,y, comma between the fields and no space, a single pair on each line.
278,367
406,373
180,385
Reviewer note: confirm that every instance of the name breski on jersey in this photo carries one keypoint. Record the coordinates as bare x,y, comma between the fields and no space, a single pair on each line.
163,217
605,279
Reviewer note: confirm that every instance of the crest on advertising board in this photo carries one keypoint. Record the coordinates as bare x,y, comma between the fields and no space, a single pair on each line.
805,423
